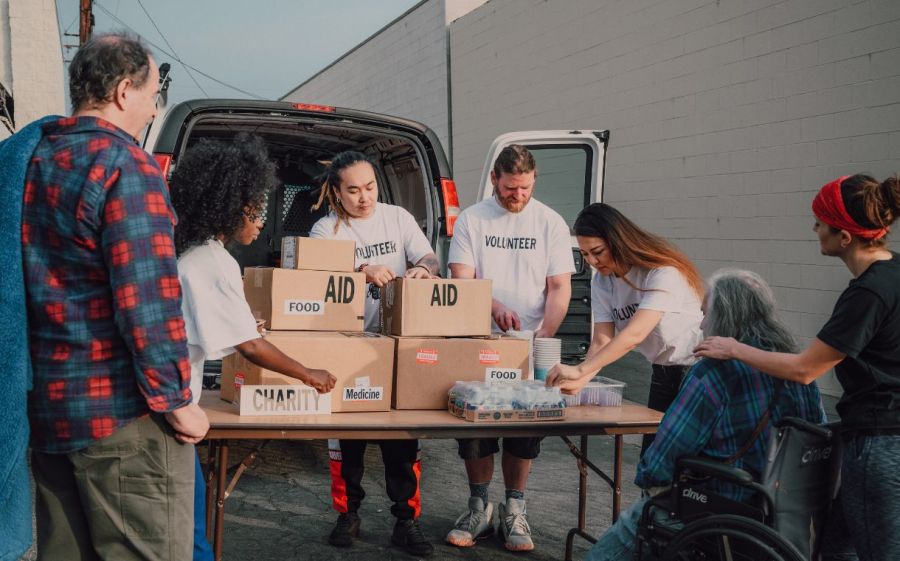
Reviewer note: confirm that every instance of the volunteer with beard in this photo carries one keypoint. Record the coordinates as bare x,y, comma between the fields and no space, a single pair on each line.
388,239
524,247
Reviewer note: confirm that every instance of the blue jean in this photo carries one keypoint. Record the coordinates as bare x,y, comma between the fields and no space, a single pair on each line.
618,542
868,519
202,549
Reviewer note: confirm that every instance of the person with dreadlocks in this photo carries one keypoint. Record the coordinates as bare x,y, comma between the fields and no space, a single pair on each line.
219,191
389,244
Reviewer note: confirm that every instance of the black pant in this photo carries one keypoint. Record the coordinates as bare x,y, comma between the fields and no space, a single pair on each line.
664,385
401,475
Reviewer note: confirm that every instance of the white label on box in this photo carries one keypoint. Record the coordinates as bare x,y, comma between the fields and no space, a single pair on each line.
304,307
283,400
360,393
362,382
257,277
488,356
289,253
492,374
427,356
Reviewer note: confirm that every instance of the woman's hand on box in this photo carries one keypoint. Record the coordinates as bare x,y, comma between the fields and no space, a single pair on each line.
418,272
320,380
569,378
379,275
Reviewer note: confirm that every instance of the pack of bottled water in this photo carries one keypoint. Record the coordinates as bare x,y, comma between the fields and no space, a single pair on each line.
601,391
495,396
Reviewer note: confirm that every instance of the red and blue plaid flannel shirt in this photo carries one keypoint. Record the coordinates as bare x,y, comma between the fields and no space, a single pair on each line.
106,332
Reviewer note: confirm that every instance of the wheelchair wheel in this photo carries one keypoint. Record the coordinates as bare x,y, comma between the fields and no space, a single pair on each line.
728,537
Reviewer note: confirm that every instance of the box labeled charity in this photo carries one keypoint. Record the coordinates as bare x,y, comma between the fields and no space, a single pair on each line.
306,300
427,367
315,254
436,307
361,362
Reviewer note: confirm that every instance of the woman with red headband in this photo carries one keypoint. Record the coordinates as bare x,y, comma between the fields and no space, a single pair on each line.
861,341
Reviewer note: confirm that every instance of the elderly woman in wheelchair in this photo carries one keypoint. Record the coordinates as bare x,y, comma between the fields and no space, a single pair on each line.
710,452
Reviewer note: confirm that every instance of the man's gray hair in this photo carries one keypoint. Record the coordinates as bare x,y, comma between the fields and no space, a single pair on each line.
742,305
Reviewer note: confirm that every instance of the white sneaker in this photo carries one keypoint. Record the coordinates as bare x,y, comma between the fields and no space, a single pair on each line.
474,524
513,525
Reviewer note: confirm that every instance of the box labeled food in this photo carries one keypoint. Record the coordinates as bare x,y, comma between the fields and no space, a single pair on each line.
315,254
306,300
436,307
427,367
361,362
278,400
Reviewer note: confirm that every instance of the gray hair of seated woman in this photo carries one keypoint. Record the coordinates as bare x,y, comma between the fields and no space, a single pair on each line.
741,304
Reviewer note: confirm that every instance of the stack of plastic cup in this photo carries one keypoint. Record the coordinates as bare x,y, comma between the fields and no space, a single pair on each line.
547,354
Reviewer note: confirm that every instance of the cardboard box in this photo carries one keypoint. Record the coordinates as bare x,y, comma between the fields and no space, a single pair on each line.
361,362
436,307
306,300
314,254
426,368
507,415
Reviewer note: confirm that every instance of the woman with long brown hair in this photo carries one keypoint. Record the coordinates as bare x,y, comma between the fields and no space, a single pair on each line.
646,295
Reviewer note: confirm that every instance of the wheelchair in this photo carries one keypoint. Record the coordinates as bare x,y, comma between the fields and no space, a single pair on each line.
782,521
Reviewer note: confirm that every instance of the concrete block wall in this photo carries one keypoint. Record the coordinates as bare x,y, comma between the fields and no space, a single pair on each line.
400,71
31,58
725,116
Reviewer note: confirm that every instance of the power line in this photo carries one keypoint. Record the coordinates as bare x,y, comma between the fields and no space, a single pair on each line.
158,30
165,52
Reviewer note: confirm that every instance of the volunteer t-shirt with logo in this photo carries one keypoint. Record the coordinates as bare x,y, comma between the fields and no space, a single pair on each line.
216,314
665,290
389,237
517,251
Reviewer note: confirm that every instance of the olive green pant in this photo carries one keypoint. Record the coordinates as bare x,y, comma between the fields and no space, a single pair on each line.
127,497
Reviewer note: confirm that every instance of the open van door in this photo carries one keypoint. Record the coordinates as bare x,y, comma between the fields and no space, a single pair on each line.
571,169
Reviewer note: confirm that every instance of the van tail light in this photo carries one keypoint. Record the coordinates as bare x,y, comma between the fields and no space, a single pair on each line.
165,164
313,107
451,203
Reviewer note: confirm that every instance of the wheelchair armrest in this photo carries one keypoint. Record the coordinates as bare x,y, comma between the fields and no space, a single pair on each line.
713,468
804,425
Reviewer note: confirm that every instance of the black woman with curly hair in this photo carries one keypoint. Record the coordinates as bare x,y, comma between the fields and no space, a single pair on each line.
219,191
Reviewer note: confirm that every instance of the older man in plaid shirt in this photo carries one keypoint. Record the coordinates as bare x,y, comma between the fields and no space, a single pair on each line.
111,413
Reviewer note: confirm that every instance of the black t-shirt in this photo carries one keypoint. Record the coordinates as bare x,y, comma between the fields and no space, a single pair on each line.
865,325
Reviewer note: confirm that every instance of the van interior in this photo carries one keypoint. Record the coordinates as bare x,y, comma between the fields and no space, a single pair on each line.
301,151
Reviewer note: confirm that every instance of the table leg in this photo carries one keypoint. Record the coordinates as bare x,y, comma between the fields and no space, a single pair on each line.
209,477
617,479
222,467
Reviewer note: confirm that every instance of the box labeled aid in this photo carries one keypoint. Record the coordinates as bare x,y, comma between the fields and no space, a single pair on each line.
436,307
306,300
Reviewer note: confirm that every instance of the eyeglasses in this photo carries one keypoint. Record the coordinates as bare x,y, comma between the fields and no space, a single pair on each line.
255,216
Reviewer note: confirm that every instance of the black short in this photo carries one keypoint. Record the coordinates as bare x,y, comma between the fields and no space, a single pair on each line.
523,448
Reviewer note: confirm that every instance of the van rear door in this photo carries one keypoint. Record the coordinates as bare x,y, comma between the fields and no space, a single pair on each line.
571,169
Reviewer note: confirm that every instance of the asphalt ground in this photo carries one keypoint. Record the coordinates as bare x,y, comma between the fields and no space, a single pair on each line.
281,508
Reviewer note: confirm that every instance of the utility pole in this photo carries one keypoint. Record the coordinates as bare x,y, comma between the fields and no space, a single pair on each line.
86,26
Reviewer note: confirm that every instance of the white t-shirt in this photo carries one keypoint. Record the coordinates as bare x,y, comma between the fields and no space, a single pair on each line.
216,314
517,251
665,290
389,237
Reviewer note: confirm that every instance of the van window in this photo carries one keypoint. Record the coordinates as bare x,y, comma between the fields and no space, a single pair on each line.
564,178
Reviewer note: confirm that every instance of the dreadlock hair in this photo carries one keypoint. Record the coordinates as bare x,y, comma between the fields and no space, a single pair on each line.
215,183
331,183
631,246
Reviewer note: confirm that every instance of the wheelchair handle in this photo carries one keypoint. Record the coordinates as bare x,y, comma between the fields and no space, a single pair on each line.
806,426
713,468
